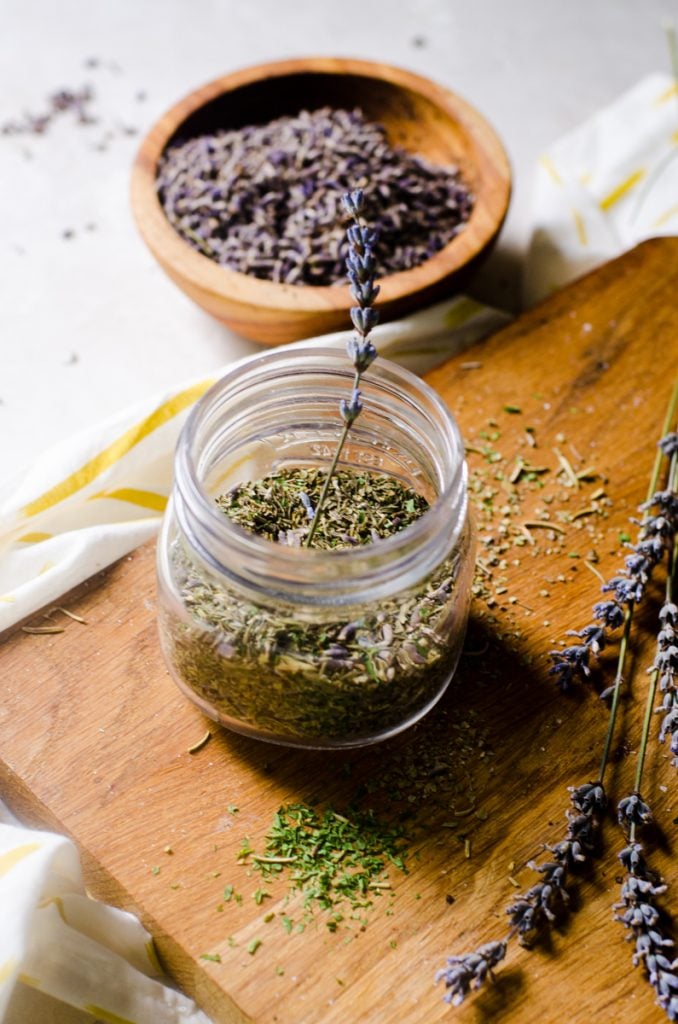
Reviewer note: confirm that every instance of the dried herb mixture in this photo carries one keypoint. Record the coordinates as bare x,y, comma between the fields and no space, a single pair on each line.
322,678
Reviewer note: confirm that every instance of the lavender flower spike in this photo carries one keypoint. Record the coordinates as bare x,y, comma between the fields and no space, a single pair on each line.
361,268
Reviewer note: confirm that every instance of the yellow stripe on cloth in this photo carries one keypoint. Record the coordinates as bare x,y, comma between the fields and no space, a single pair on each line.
666,216
34,538
551,169
581,228
110,455
106,1015
667,94
462,311
7,969
13,857
145,499
28,979
153,956
622,189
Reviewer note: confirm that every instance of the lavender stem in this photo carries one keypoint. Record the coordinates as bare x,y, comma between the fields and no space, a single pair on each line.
361,267
330,473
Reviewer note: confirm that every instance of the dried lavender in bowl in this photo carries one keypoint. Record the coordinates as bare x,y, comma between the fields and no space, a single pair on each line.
265,200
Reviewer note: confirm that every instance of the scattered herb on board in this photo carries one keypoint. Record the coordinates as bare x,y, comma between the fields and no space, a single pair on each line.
264,199
336,862
215,958
547,903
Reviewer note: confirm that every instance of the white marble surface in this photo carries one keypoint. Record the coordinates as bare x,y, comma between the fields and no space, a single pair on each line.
90,324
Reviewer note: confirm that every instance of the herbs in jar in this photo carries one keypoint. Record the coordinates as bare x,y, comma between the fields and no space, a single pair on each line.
336,676
324,646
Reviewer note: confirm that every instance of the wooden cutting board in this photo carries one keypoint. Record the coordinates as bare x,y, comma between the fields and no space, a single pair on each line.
95,737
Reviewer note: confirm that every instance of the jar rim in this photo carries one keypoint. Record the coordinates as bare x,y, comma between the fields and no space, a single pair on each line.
308,563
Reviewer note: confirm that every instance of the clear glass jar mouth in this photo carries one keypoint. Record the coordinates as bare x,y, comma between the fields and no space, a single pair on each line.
226,544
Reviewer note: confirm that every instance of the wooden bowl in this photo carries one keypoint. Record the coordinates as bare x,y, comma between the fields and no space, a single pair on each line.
422,117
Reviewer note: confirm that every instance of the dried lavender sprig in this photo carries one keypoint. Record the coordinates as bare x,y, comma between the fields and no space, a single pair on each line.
469,971
361,268
647,922
628,588
664,669
533,912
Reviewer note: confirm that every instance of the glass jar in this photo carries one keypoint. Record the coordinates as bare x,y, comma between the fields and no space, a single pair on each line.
315,648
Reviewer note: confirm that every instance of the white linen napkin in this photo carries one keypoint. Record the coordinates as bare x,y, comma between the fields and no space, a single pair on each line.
604,187
598,191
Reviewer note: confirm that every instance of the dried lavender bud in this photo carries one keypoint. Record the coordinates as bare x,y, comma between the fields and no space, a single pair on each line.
364,320
669,444
364,292
362,353
353,202
265,200
306,502
351,410
632,810
609,613
589,798
469,971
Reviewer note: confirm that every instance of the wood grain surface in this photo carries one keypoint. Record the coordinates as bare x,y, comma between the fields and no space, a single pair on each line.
94,736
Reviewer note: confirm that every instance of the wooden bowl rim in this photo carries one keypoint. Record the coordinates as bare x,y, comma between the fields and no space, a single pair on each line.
186,263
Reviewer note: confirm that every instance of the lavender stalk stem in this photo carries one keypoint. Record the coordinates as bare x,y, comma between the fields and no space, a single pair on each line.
330,473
